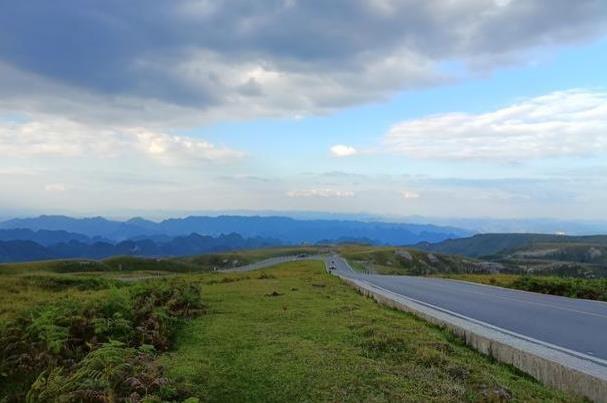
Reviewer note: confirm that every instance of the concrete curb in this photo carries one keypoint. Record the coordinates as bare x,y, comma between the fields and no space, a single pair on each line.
548,365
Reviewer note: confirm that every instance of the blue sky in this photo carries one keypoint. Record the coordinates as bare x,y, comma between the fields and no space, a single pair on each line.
561,68
391,107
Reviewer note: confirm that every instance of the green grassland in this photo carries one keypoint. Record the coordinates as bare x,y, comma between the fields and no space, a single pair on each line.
128,264
528,271
595,289
19,293
241,258
294,333
291,332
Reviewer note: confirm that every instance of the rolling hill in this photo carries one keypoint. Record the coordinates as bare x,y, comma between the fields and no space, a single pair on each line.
500,244
583,256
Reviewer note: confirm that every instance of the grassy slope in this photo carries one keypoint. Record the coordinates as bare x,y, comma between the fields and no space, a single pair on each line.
574,256
19,293
320,341
393,260
240,258
492,244
125,264
19,289
566,287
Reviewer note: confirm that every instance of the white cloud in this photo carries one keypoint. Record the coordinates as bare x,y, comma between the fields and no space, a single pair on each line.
320,193
47,135
194,61
560,124
55,187
171,148
408,195
343,151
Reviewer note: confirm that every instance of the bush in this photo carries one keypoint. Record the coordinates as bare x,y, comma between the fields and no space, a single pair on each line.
75,266
113,372
62,282
46,345
568,287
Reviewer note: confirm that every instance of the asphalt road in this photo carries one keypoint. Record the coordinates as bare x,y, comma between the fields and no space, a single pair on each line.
572,324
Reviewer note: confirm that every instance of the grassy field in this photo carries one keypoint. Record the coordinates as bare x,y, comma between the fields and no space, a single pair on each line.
128,264
294,333
240,258
595,289
27,290
287,333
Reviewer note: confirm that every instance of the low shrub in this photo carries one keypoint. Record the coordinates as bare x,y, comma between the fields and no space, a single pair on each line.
568,287
52,342
63,282
111,373
266,276
225,280
75,266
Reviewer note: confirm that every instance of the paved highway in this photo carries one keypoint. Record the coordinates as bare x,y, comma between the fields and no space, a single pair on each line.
570,324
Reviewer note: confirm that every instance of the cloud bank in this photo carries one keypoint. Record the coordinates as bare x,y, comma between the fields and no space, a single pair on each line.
560,124
186,61
52,136
324,193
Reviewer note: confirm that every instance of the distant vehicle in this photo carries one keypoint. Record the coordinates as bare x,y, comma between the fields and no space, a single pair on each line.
332,265
302,255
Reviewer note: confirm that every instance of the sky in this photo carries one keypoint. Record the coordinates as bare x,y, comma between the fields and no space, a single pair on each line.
459,108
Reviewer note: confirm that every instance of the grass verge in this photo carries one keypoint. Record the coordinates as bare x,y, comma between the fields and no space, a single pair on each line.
595,289
294,333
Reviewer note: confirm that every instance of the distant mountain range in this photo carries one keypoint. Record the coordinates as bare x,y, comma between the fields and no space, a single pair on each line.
518,225
286,230
60,237
54,237
46,237
193,244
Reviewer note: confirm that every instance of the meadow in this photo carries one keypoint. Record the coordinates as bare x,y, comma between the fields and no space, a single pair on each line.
291,332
